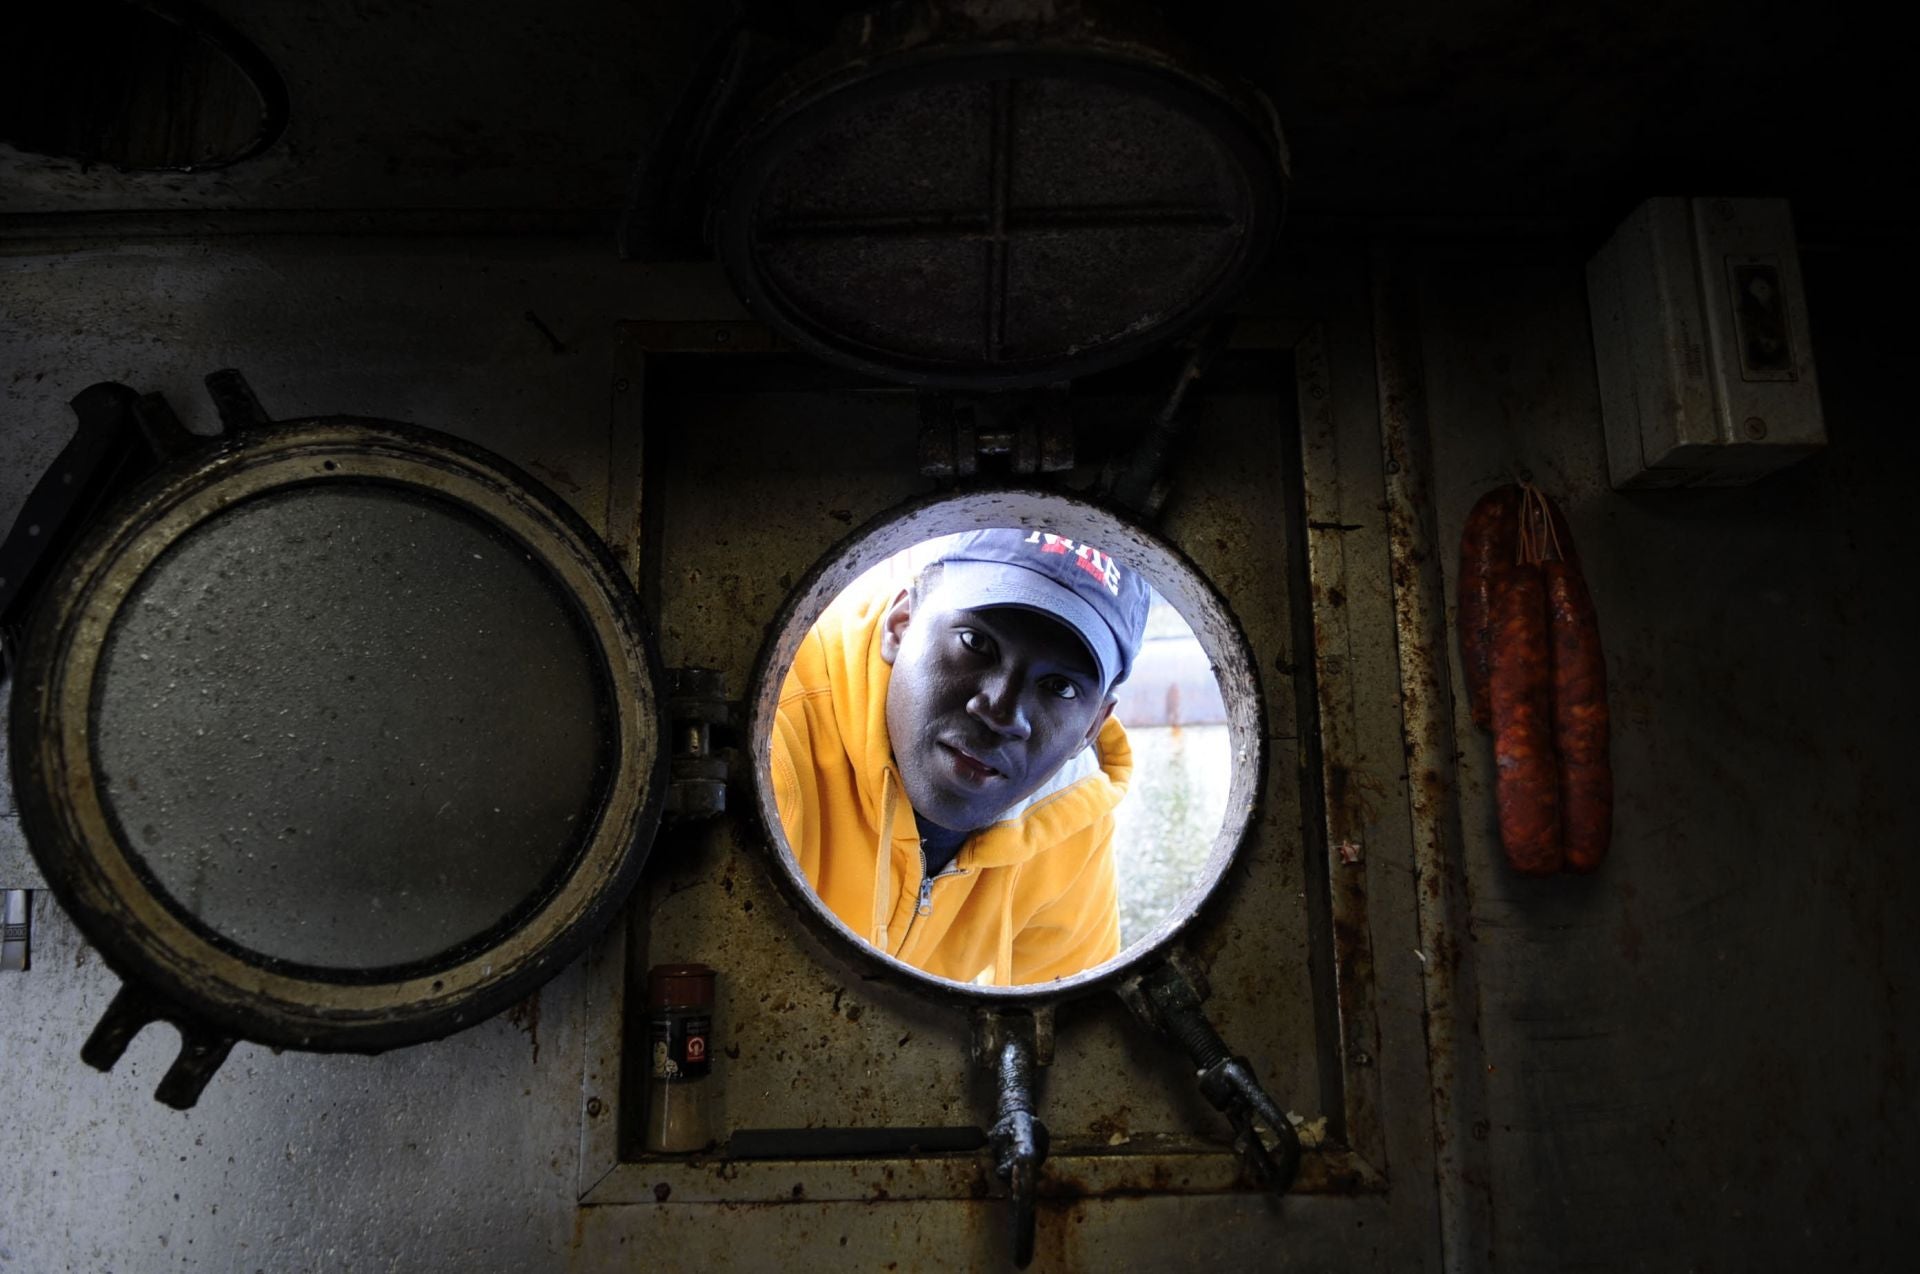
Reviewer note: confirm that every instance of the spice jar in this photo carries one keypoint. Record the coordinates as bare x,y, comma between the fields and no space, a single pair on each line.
680,1040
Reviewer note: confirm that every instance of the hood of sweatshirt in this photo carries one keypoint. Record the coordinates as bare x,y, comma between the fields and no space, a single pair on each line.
1084,789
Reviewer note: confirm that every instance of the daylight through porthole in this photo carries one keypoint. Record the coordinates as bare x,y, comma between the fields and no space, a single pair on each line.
1006,742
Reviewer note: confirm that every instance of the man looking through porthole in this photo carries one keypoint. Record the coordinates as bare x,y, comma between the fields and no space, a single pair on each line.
946,762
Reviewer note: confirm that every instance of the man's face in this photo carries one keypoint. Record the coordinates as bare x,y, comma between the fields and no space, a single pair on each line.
984,705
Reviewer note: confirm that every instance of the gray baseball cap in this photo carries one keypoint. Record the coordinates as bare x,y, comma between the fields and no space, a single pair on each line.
1102,601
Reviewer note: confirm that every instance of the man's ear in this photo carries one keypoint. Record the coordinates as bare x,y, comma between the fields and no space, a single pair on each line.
894,629
1100,717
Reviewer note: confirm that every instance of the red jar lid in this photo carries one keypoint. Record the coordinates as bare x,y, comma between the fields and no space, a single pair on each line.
690,984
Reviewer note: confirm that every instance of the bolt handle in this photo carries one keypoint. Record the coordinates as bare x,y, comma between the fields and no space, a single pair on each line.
1018,1139
1169,1001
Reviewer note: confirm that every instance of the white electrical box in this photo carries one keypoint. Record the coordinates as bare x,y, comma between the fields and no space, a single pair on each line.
1700,335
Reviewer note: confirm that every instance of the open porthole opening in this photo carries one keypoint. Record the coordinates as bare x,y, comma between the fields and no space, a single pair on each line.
1070,741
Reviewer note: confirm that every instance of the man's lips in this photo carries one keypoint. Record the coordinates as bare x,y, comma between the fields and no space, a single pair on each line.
968,766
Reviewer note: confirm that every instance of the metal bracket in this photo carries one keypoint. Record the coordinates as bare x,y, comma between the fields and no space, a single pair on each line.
121,437
1140,479
1018,433
1167,997
1010,1046
201,1051
236,402
697,703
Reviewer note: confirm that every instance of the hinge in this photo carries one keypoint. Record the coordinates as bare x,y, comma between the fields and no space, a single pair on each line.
700,717
1018,433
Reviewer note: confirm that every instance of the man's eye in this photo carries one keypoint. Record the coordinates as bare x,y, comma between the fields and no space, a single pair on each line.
1061,688
975,642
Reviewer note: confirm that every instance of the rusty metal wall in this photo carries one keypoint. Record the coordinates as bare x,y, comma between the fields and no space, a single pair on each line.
739,504
1699,1058
456,1155
483,1147
1696,1059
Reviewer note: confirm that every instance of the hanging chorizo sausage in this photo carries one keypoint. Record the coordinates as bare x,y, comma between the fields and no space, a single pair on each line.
1580,718
1486,548
1526,770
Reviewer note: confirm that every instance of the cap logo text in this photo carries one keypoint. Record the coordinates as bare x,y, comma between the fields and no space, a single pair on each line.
1086,557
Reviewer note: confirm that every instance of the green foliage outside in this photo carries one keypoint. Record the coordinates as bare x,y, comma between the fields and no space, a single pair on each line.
1165,828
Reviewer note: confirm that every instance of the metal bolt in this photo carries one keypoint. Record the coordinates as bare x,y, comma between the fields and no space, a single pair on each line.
721,336
594,1108
1363,1058
1756,428
620,386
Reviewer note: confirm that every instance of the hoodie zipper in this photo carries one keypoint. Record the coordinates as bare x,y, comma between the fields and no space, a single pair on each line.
923,906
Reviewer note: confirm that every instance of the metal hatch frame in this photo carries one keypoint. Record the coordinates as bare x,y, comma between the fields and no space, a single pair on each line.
1325,344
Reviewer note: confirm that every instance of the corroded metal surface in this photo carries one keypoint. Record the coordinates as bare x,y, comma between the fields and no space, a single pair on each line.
492,1136
1446,960
441,1157
1078,1236
1101,1091
1343,786
1746,946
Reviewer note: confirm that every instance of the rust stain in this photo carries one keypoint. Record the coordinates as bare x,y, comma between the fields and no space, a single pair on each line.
526,1016
1108,1126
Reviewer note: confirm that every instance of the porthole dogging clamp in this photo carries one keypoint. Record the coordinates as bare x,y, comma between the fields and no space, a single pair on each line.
202,1049
701,716
1010,1046
1168,999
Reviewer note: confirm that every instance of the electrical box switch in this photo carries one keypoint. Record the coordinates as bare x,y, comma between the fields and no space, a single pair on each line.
1700,337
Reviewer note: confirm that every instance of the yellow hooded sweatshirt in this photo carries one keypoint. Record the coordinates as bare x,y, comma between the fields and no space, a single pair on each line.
1028,899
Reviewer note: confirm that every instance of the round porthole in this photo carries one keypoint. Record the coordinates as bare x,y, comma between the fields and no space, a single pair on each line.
137,85
342,735
971,786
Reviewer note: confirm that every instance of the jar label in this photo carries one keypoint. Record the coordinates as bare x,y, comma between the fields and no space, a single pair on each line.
680,1046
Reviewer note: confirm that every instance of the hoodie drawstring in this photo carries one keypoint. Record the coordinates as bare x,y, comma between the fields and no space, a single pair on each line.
883,870
1003,958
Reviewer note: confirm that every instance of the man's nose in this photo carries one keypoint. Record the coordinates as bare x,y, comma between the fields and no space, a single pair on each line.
999,704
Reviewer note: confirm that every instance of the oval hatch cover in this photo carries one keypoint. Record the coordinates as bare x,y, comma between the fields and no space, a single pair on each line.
947,203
